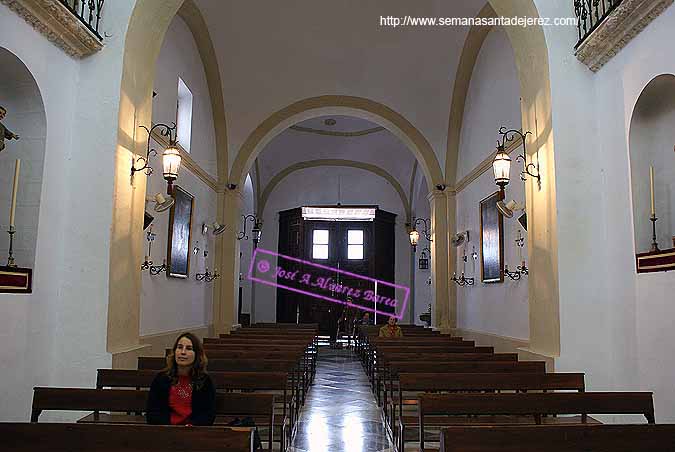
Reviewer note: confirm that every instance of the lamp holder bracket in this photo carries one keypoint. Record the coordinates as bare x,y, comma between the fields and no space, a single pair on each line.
165,130
529,169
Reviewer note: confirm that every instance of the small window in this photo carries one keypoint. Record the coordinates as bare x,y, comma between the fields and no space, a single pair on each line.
354,244
184,115
320,244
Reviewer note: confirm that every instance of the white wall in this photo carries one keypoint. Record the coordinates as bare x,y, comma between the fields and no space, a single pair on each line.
179,57
492,101
169,304
496,308
56,336
319,186
600,294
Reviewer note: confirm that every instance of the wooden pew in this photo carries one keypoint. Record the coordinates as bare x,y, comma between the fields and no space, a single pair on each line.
530,407
25,437
557,438
310,326
266,343
247,381
381,372
155,363
395,368
228,406
446,382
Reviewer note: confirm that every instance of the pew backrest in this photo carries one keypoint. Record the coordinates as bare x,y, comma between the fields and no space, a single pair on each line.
558,438
25,437
538,404
491,381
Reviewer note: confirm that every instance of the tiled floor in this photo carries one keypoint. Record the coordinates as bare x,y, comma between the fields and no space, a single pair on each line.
340,413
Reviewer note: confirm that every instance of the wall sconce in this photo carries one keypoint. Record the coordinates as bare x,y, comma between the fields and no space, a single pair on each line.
147,263
423,260
150,237
512,275
216,228
207,276
170,158
501,165
161,203
415,236
462,281
256,232
522,268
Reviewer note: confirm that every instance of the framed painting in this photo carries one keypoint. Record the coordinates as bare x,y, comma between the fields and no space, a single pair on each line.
178,245
491,240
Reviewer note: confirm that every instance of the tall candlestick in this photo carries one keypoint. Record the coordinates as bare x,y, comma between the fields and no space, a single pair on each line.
651,188
15,189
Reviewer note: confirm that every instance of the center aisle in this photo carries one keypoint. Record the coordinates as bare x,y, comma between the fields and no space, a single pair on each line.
340,413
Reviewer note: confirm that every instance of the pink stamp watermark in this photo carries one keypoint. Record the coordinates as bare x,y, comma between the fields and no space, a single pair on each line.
328,283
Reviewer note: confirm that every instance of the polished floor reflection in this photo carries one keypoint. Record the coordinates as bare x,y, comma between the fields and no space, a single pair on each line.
340,414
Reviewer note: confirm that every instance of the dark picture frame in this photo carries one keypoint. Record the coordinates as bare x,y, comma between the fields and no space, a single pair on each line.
491,240
180,226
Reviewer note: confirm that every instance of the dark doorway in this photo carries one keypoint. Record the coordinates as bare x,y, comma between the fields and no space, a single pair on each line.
363,248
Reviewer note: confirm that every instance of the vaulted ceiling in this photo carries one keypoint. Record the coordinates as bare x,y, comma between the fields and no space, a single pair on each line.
272,54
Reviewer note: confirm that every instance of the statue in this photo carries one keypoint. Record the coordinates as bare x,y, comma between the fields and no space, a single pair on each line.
5,133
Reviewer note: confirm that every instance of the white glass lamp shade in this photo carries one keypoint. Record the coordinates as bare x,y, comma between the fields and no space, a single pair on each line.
414,237
171,161
502,167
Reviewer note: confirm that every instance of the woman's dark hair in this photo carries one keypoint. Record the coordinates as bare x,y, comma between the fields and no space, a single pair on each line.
198,371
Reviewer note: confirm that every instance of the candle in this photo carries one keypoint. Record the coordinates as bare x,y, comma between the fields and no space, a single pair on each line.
15,189
651,188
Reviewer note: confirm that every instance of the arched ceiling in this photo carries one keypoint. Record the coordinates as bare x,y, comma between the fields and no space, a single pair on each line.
272,54
349,139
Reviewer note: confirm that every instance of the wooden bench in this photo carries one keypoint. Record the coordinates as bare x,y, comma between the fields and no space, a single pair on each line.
446,364
557,438
24,437
529,407
228,406
445,382
382,373
246,381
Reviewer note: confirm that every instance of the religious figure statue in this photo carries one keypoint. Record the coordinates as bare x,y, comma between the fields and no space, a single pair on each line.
5,133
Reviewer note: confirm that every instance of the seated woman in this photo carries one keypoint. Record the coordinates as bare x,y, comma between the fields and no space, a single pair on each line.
391,329
183,393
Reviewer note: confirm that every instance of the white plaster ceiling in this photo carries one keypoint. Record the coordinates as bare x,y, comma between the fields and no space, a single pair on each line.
272,54
381,148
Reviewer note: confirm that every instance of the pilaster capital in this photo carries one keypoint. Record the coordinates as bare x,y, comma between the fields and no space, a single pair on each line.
436,195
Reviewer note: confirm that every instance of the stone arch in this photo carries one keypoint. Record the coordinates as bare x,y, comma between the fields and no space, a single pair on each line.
532,65
333,162
148,24
338,105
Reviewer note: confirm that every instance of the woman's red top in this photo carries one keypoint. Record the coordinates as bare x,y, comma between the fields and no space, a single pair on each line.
180,401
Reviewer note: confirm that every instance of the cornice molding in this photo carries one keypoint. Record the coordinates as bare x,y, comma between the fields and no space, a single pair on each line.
358,133
57,24
623,24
